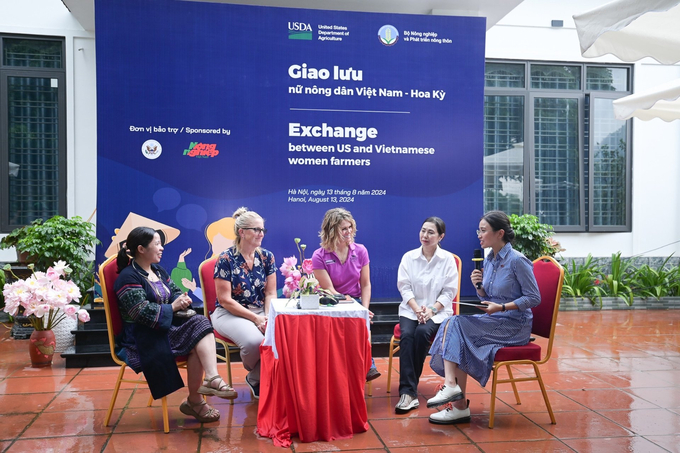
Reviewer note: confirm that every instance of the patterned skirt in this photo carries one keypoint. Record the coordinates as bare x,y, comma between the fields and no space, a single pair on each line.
472,341
183,339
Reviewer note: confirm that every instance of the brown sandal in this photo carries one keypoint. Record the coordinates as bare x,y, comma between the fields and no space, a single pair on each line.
210,415
222,390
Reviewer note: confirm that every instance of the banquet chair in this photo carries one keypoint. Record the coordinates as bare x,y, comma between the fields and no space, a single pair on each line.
108,272
396,337
206,272
550,276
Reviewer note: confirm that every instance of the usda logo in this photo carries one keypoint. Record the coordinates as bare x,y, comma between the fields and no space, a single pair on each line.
299,30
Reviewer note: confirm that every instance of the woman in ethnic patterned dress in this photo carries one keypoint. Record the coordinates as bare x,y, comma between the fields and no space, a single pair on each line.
467,345
245,281
153,334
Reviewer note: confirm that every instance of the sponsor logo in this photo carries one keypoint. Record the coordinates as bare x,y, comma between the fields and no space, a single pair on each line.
299,30
197,149
151,149
388,35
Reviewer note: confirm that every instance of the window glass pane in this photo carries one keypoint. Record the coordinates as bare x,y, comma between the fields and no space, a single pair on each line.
609,165
607,79
556,151
504,75
504,153
34,53
33,149
553,77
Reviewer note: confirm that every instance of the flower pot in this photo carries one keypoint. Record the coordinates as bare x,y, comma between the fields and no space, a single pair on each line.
62,332
309,302
41,348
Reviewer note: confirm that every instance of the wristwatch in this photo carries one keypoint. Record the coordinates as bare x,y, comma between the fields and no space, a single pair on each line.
503,309
434,310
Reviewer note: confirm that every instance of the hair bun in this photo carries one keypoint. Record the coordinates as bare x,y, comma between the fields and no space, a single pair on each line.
239,212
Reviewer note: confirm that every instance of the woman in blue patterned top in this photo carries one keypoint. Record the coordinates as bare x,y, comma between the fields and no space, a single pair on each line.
467,345
245,281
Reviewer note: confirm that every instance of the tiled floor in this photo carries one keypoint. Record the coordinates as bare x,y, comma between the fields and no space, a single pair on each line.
613,381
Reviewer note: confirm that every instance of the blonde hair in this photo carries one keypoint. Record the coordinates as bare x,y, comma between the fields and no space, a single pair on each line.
329,227
243,218
225,227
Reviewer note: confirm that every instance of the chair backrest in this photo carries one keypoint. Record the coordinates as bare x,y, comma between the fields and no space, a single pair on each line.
206,271
108,272
549,276
459,265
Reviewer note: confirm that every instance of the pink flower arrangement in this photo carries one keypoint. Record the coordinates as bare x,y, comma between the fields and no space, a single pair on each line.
45,297
299,278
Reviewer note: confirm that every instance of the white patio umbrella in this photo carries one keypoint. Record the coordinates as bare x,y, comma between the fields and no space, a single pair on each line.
631,30
659,102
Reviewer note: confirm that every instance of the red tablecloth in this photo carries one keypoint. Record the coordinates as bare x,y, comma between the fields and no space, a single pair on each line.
315,388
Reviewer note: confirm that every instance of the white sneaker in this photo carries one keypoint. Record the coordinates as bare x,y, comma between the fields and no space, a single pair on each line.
451,416
445,395
405,404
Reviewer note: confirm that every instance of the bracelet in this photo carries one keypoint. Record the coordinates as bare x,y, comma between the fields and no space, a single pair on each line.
503,309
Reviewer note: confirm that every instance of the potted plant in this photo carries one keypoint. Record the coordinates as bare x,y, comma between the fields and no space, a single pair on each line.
13,239
532,237
58,238
300,282
45,298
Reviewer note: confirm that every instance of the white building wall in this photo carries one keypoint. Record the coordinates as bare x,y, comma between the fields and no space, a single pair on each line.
52,18
526,34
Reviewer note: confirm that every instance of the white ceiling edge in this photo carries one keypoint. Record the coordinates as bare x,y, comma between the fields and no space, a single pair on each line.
492,10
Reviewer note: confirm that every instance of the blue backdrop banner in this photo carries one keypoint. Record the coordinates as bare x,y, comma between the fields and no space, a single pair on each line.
206,107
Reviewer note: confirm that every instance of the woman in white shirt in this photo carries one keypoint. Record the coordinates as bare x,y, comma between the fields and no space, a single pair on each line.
428,282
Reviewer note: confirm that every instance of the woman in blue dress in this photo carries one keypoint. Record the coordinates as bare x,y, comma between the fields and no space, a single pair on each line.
467,345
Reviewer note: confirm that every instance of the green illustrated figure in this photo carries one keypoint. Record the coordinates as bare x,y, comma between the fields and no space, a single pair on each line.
183,278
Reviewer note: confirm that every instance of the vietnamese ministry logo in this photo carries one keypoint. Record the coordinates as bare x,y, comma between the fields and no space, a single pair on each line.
152,149
388,35
299,30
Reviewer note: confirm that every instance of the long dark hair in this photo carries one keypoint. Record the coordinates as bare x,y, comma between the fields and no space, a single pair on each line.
138,236
498,220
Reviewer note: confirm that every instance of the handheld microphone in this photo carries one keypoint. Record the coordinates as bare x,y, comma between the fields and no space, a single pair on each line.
478,259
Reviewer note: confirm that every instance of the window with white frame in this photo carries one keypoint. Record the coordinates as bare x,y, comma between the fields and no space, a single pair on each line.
552,146
32,130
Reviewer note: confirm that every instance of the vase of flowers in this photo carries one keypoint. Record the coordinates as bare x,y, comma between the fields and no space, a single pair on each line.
46,299
300,282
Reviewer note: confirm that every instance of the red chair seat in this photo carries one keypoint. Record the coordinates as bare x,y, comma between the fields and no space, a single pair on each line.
530,351
397,332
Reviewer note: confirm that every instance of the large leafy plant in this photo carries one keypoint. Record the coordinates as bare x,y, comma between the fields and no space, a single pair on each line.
618,282
59,238
580,280
532,237
656,283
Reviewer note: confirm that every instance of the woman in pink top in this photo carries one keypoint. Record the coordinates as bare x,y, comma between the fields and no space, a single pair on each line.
341,265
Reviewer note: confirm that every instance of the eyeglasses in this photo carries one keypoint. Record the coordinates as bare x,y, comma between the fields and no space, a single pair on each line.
480,232
256,230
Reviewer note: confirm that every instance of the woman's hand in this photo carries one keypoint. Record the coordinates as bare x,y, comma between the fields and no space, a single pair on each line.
490,307
260,322
181,303
426,314
476,277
